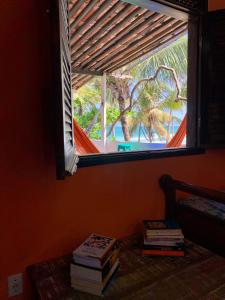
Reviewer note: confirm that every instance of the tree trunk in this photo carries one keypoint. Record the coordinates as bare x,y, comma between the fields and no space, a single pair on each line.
123,119
168,129
94,120
139,133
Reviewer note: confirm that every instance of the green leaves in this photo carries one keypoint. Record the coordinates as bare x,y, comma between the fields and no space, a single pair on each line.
154,101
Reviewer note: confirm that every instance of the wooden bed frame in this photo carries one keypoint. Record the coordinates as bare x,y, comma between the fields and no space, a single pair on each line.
202,228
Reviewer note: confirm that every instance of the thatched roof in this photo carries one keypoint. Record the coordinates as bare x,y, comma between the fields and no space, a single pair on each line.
106,35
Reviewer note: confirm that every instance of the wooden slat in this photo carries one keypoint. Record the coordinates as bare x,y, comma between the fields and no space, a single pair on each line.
84,12
68,112
67,90
137,53
75,7
121,39
109,29
79,32
87,71
137,44
112,34
68,119
79,83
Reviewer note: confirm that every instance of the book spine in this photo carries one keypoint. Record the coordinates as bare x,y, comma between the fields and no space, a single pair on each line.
103,272
109,264
164,248
163,244
163,253
169,232
163,239
115,246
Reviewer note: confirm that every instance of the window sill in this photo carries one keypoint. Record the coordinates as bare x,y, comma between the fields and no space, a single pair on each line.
119,157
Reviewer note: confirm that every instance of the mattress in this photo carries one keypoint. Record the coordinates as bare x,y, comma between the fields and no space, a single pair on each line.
206,206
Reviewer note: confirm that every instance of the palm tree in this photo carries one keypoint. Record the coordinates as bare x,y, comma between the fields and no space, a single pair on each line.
150,116
174,57
155,103
170,105
87,97
119,88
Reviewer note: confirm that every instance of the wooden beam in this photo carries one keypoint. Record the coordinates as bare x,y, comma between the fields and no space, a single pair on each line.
155,50
100,36
83,13
135,45
79,82
138,53
139,25
160,8
75,8
86,71
78,31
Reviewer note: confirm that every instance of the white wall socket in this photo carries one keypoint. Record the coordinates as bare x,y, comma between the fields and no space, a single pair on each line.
15,285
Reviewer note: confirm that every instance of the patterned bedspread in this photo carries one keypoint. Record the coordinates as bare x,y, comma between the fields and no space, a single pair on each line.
206,206
198,275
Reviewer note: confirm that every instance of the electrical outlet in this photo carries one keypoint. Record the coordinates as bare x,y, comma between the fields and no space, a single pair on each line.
15,285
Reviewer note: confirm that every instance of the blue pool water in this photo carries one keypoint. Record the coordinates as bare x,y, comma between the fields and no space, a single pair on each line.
118,135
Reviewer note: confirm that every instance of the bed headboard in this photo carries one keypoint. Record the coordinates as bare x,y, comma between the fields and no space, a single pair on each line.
171,185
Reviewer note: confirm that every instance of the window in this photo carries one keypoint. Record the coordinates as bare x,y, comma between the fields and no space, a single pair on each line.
145,100
105,39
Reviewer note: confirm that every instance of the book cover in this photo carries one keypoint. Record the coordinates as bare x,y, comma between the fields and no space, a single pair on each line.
162,227
93,250
160,224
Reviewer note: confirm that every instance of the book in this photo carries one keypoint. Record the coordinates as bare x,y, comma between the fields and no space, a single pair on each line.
95,250
163,253
94,287
177,234
78,271
164,248
162,237
162,228
164,243
169,239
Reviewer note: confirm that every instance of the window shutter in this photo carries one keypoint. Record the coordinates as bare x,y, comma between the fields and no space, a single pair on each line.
213,87
66,158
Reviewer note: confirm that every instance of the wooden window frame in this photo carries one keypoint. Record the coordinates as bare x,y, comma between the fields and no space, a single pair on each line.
194,132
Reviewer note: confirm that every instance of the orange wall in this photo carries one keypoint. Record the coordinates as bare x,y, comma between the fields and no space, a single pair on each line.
40,217
216,4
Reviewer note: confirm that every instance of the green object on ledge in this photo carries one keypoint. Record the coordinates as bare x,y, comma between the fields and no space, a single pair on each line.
124,147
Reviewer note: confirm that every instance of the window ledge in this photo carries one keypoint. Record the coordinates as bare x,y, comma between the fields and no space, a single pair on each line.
119,157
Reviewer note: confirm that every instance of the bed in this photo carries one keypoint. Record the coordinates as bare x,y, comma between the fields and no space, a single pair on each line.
201,213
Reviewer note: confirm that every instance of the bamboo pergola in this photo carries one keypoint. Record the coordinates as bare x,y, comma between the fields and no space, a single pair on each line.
108,34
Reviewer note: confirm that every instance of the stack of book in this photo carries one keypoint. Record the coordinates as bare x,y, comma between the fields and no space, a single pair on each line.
95,262
163,237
